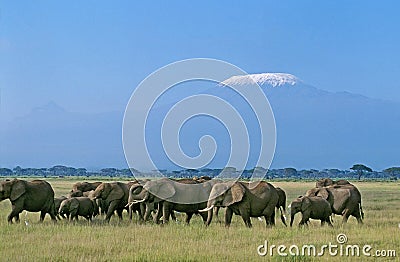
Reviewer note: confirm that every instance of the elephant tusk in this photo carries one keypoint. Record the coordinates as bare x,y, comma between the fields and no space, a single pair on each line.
129,204
207,209
135,202
260,219
285,217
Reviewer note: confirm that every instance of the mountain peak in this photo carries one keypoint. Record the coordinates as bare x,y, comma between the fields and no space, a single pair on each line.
49,107
272,79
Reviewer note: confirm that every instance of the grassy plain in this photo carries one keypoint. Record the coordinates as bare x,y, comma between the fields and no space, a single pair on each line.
130,241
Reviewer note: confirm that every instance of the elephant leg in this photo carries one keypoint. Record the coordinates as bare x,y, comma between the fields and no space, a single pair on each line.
11,216
173,217
53,216
42,215
17,218
166,212
147,212
357,215
304,219
228,216
328,221
246,217
188,217
141,211
216,210
269,213
346,214
159,213
130,211
119,213
283,219
204,216
110,211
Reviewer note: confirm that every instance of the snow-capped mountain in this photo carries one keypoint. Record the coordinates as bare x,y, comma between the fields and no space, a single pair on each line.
315,129
272,79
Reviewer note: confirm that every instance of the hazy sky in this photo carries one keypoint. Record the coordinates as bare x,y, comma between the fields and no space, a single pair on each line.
87,56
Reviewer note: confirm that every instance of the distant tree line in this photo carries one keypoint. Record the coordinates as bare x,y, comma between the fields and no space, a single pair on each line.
357,171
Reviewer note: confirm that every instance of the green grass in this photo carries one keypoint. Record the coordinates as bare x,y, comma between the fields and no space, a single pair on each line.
130,241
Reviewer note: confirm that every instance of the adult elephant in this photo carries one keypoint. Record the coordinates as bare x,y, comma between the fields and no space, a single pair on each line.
85,186
115,196
344,199
253,199
33,196
329,182
185,195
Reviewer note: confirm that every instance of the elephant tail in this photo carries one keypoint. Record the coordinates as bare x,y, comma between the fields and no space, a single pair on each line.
361,211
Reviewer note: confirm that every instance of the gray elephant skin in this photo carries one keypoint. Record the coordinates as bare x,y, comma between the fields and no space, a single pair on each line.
281,205
253,199
77,206
115,196
185,195
85,186
329,182
344,199
57,204
311,207
99,204
33,196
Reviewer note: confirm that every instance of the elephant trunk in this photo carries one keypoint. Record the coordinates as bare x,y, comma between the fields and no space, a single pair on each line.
291,219
209,209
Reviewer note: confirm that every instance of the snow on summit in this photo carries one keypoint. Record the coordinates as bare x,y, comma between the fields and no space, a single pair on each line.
273,79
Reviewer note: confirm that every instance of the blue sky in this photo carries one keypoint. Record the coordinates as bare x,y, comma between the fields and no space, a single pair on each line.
87,56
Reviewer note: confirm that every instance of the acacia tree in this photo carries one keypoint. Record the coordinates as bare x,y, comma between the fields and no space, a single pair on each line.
392,171
360,169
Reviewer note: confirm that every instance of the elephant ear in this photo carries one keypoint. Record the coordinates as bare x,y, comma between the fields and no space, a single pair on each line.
74,204
323,193
165,191
305,203
233,195
116,192
17,190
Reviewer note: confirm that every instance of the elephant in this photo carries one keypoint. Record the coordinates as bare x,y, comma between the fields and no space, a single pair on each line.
329,182
77,206
99,204
185,195
202,179
314,207
33,196
252,199
344,199
115,196
85,186
57,203
281,205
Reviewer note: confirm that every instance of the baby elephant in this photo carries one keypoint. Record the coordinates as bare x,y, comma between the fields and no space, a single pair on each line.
77,206
314,207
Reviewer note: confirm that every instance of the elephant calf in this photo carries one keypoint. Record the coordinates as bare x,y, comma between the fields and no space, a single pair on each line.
311,207
77,206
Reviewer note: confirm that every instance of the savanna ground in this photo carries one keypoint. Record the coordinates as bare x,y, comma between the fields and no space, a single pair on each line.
130,241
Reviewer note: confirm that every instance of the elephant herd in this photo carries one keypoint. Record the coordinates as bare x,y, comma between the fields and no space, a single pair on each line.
158,200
